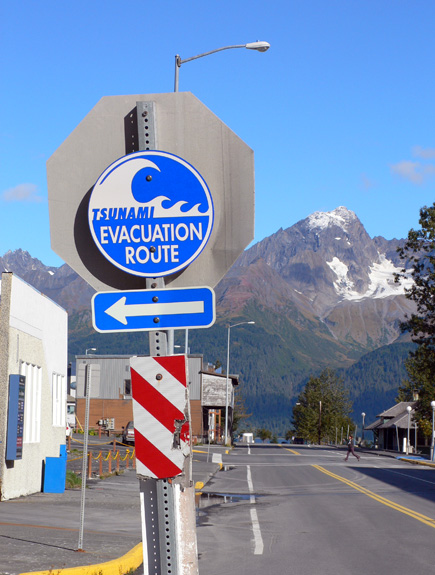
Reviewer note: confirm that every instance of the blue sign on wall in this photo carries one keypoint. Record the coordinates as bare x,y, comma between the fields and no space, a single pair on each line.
150,213
15,431
151,310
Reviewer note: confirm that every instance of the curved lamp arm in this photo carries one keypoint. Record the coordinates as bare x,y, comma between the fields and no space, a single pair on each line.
259,46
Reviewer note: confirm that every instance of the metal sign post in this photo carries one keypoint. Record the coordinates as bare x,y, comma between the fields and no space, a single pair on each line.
85,455
130,200
164,465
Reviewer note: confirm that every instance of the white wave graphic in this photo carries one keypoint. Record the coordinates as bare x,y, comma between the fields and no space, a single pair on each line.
175,210
120,179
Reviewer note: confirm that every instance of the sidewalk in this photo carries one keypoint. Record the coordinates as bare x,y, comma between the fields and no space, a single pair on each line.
40,532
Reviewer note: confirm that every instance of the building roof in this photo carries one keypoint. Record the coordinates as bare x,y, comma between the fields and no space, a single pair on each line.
397,409
234,378
401,421
396,416
373,425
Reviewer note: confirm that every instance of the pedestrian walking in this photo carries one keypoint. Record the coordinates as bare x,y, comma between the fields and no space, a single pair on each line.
351,448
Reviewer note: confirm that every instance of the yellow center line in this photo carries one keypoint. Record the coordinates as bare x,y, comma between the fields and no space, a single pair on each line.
422,518
291,450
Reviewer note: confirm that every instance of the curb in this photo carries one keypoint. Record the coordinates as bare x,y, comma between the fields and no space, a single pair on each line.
131,560
127,563
417,461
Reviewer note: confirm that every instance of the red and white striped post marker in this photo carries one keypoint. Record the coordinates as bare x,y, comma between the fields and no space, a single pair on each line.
163,464
161,415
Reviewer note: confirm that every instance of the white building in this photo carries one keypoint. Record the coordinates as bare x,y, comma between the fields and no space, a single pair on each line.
33,343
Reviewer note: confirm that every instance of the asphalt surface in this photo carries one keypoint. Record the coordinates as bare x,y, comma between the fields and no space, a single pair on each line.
300,510
40,532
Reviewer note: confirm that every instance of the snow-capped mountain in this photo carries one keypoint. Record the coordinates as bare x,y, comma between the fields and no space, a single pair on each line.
329,267
324,270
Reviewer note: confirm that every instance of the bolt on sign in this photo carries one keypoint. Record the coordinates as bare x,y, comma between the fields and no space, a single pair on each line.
161,415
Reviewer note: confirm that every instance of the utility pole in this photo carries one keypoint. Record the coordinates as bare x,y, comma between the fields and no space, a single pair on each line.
320,421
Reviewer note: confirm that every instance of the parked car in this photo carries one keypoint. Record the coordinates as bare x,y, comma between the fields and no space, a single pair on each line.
128,433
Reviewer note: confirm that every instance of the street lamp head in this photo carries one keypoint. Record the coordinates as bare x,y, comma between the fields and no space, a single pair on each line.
409,409
432,403
363,414
259,46
240,323
90,349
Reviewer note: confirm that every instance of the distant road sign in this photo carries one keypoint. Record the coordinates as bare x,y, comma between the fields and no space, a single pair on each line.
150,213
151,310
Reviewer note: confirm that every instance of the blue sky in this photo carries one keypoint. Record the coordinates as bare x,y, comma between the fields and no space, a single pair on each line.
339,111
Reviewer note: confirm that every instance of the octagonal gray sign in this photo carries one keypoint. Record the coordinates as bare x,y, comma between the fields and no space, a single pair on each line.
182,131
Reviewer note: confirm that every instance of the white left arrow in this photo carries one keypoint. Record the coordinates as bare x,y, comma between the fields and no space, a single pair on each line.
120,310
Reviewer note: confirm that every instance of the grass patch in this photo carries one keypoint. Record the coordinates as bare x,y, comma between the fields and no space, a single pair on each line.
73,481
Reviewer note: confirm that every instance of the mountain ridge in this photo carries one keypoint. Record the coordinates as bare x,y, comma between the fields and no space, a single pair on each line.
321,293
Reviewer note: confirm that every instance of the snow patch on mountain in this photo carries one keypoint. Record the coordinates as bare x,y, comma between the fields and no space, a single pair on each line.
340,217
381,280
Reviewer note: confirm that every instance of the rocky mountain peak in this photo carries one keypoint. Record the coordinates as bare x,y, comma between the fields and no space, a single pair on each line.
340,217
334,269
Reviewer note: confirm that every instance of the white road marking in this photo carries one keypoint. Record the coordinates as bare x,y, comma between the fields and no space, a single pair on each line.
258,539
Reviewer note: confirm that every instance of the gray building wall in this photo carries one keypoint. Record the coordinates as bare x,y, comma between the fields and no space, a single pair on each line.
195,377
214,390
115,370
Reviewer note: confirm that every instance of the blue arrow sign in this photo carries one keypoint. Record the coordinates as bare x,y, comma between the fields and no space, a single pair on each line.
151,310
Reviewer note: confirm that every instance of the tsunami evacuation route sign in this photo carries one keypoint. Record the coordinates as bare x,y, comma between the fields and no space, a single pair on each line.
150,213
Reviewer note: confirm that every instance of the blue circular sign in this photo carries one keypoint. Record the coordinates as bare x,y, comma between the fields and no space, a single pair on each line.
151,213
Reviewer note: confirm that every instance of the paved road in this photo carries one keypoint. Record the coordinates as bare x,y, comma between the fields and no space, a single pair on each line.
295,510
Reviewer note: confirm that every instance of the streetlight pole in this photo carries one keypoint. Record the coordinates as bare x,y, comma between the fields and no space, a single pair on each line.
227,376
320,421
362,433
432,403
408,409
259,46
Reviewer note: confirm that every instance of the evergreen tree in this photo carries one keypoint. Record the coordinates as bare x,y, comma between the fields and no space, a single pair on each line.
264,433
419,253
322,408
240,414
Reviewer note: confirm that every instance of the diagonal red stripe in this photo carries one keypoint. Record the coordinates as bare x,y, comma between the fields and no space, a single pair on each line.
154,459
154,402
175,365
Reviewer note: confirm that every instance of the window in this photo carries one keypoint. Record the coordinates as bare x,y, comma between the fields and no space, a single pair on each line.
32,402
127,387
58,391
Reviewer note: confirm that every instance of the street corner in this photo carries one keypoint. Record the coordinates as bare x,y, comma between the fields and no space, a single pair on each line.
125,564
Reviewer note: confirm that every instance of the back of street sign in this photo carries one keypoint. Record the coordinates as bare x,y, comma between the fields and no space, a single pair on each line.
182,127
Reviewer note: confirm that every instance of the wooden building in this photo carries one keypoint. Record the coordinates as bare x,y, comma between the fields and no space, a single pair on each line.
390,429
